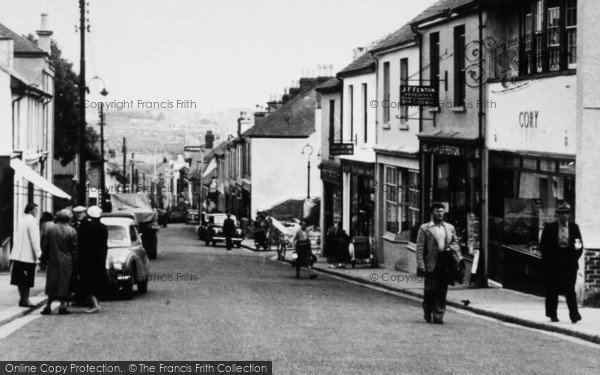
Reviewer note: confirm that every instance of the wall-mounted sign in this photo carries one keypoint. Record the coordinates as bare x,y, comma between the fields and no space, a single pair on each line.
341,149
193,148
331,173
419,96
358,168
451,150
528,119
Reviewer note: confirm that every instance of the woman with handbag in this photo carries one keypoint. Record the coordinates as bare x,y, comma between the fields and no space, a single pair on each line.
304,255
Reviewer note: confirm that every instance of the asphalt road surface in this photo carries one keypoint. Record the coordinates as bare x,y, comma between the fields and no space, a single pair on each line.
205,303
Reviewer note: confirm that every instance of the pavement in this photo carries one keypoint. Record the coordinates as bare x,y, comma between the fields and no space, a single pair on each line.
502,304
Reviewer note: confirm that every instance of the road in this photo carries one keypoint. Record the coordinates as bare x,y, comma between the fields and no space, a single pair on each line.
206,303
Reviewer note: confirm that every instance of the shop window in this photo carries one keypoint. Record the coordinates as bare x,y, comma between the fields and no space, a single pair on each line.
403,82
386,91
402,203
459,66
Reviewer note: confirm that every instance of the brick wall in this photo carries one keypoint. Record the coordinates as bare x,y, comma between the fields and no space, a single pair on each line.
592,278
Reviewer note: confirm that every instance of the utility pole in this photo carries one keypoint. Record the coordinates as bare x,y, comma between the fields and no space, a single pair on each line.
124,150
81,196
102,160
132,179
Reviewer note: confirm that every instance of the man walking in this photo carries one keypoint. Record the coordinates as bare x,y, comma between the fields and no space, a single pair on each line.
228,231
561,248
437,249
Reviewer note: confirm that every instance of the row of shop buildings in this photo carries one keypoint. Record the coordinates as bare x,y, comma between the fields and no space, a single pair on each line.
509,138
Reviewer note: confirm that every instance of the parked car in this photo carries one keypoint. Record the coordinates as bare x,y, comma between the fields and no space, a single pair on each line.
126,261
211,230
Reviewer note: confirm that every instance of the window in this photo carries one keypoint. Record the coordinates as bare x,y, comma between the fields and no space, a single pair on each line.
365,108
331,121
459,66
549,36
434,59
571,29
351,98
401,196
403,82
386,91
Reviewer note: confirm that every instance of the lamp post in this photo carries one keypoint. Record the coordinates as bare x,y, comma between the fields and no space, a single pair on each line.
102,200
309,147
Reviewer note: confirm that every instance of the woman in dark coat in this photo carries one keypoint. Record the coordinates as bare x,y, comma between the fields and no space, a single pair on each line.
59,252
302,242
93,239
329,247
342,243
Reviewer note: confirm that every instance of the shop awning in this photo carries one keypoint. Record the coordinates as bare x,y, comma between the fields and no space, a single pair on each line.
32,176
211,166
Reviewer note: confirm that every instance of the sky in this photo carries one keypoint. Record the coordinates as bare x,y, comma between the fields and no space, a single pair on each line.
217,54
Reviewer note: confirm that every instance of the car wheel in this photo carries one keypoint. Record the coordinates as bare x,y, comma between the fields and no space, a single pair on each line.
238,245
142,286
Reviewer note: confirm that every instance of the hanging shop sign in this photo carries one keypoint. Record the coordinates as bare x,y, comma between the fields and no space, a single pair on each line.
193,148
462,151
418,96
341,149
331,173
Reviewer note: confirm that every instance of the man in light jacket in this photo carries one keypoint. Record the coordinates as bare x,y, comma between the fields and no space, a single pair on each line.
437,249
25,253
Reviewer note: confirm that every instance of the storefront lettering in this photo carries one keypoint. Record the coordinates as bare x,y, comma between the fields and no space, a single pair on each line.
528,119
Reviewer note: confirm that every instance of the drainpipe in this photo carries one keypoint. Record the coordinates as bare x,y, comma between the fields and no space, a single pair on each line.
483,256
21,94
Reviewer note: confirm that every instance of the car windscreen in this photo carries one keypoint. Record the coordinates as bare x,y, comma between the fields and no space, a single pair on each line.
221,218
118,236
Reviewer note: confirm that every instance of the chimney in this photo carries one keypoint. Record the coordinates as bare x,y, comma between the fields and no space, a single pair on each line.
44,35
209,140
272,103
306,83
244,123
357,52
7,49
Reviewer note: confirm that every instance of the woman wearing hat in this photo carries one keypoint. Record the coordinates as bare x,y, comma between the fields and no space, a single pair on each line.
561,246
59,252
93,238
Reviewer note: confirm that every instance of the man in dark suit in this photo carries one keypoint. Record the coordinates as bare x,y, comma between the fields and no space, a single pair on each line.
561,246
437,249
229,231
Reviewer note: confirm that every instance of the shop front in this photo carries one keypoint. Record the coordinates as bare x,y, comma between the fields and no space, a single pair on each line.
359,197
451,174
331,175
531,142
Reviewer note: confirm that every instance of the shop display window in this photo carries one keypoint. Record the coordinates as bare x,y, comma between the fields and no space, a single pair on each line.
401,196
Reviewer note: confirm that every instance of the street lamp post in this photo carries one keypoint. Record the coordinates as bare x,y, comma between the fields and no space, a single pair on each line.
309,147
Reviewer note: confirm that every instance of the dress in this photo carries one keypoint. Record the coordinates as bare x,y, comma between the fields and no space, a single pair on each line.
59,252
93,238
342,243
303,248
330,245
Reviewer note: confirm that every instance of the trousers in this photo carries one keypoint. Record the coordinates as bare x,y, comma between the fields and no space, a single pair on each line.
436,286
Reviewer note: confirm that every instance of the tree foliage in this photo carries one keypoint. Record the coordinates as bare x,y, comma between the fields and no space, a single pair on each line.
66,113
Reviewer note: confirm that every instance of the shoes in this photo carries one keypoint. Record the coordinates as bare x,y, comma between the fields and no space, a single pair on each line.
26,304
46,311
63,311
438,319
575,318
93,310
427,317
313,276
554,319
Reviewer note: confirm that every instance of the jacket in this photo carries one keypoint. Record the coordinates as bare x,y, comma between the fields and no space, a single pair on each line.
27,246
427,246
552,256
59,247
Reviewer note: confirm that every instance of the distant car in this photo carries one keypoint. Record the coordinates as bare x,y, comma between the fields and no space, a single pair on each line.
212,233
126,261
192,217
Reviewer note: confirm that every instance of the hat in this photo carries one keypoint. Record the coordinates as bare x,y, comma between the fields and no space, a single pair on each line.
79,209
94,212
564,207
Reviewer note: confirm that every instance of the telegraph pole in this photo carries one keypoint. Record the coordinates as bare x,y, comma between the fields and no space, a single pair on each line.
125,163
81,196
102,177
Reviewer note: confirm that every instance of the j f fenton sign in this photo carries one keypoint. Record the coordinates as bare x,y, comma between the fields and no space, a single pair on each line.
341,149
418,96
